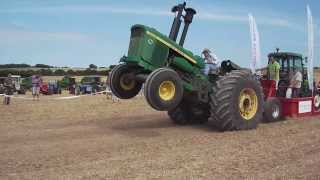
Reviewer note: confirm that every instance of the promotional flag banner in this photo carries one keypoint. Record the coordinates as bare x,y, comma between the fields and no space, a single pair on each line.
255,44
310,47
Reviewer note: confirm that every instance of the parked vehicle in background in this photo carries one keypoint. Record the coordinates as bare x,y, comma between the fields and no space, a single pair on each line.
52,87
278,102
17,84
17,80
66,82
26,83
44,88
2,88
91,84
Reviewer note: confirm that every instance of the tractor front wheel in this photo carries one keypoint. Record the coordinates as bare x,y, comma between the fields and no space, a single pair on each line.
163,89
236,102
122,81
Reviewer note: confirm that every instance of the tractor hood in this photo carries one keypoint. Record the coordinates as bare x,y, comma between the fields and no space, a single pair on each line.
154,36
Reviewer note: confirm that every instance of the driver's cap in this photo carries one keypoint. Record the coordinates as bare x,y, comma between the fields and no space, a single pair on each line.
206,50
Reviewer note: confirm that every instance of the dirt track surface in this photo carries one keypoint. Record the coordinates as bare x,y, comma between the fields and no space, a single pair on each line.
93,138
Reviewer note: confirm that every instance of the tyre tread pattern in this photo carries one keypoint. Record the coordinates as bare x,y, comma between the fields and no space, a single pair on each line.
220,106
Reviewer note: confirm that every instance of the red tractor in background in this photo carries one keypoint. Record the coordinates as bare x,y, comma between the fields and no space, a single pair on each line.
277,105
52,87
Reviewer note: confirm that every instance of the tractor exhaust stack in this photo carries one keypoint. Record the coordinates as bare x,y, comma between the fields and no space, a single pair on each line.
178,10
187,21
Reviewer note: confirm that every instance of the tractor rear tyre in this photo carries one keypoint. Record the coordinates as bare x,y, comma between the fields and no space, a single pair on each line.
186,114
236,102
272,110
122,81
163,89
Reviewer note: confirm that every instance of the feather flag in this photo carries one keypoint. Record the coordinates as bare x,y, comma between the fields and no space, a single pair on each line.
310,47
255,44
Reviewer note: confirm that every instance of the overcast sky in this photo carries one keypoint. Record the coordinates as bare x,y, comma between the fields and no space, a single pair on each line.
80,32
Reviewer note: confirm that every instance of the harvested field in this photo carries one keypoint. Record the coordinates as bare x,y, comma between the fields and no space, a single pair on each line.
93,138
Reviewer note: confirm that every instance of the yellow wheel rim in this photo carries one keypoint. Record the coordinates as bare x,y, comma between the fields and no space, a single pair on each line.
126,83
248,103
167,90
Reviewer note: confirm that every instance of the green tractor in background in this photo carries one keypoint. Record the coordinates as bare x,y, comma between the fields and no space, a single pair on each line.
173,80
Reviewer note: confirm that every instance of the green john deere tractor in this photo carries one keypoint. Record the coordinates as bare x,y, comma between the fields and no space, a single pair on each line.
173,80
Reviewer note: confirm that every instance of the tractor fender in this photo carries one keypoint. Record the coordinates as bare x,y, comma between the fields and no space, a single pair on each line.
228,66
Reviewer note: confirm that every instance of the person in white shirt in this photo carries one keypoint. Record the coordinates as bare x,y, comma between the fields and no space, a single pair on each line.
296,83
211,61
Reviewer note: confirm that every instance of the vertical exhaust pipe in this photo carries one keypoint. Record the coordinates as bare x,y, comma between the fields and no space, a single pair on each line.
178,10
187,21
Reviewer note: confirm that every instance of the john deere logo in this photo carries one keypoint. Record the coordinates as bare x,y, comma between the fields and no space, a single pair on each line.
150,41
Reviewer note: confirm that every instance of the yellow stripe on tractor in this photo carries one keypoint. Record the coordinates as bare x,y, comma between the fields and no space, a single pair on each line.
172,47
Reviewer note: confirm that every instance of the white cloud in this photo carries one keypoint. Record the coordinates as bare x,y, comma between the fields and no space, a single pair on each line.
244,19
202,15
221,17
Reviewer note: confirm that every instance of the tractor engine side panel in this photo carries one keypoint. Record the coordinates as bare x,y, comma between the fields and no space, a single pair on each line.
144,48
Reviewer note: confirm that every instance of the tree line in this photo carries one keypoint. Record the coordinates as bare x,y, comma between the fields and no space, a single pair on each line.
49,72
25,66
26,70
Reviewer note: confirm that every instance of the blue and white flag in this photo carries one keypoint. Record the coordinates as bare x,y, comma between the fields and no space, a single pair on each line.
255,44
310,48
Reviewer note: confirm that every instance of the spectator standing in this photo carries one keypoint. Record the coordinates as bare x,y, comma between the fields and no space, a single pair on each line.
36,83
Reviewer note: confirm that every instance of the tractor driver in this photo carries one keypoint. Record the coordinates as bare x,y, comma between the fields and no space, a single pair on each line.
274,70
211,61
295,83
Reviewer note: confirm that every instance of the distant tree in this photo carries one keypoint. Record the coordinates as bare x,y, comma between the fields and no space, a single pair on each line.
4,73
89,72
14,65
71,72
46,72
42,66
29,73
59,72
92,66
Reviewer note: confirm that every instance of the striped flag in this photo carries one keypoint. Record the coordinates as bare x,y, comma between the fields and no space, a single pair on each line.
255,44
